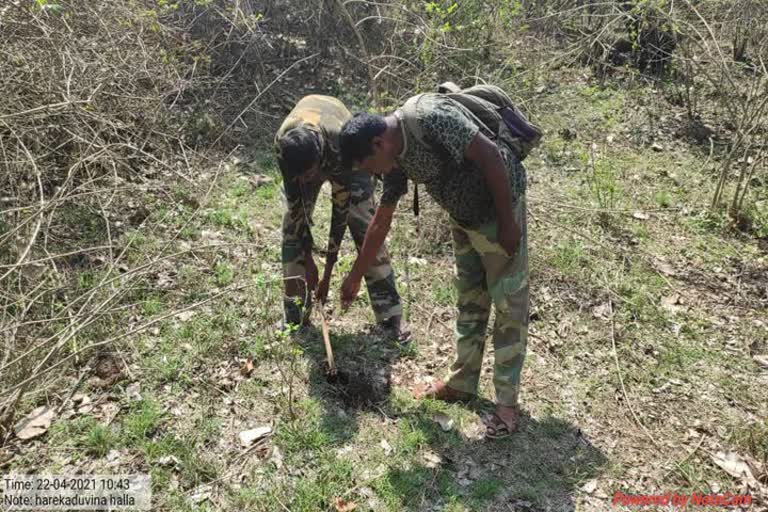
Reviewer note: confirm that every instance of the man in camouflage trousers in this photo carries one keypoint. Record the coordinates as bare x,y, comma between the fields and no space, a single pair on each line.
480,181
307,151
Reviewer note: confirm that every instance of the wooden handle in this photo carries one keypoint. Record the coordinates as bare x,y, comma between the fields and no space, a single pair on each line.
327,340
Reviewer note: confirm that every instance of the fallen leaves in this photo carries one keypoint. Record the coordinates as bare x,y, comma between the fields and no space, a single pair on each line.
185,316
169,461
247,368
589,487
431,459
602,311
344,506
672,303
761,361
742,468
82,403
249,437
201,493
386,447
665,268
277,458
134,392
35,424
445,421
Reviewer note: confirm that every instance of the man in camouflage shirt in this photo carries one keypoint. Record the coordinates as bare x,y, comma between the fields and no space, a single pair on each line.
307,146
481,183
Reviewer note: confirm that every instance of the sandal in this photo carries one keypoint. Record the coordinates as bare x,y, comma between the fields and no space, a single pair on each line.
496,428
439,390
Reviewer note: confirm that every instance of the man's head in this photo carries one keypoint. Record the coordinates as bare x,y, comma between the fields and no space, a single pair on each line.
366,142
299,155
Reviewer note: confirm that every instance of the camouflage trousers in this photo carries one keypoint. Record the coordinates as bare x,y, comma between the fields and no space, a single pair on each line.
486,274
380,278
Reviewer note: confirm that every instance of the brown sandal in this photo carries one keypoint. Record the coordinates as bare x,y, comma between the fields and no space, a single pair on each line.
439,390
497,428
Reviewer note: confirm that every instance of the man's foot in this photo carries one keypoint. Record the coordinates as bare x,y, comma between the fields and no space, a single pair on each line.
395,327
502,423
439,390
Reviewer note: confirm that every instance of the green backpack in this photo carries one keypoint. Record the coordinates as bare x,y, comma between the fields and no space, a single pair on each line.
491,109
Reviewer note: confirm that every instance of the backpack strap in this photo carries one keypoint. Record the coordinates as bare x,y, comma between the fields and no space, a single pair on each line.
408,115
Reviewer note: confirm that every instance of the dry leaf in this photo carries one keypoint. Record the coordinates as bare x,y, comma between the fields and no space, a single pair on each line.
589,487
35,424
109,412
413,260
445,422
81,399
761,360
602,311
343,451
672,303
247,368
134,391
735,465
201,494
248,437
665,268
640,216
344,506
386,447
431,459
114,456
259,180
564,327
168,460
277,457
185,315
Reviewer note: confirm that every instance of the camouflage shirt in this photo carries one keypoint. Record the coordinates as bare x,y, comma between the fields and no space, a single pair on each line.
452,181
325,116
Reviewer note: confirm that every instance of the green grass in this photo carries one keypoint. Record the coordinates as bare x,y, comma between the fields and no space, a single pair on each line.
224,273
485,489
327,479
142,421
752,438
86,434
151,306
305,433
400,489
569,256
444,293
663,199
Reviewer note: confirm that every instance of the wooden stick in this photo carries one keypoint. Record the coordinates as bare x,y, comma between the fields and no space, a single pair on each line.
327,340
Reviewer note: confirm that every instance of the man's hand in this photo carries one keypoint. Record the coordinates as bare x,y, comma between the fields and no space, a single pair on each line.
509,236
349,290
322,290
311,273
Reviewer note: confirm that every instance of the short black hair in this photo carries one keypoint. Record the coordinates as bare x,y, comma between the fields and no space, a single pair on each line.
355,141
298,150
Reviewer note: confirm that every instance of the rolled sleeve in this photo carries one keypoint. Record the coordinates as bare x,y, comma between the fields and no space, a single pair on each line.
395,187
340,198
